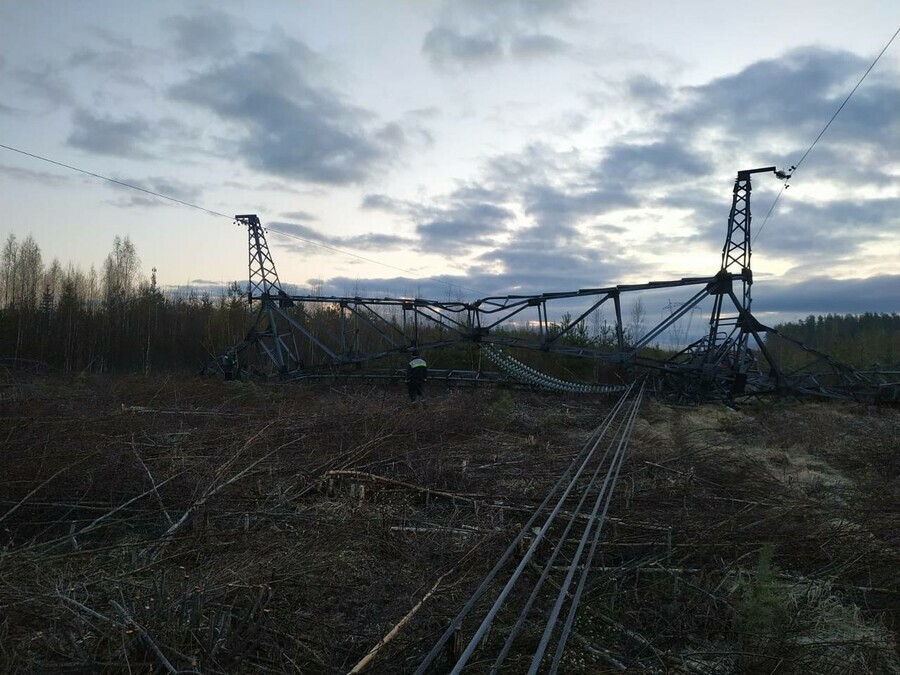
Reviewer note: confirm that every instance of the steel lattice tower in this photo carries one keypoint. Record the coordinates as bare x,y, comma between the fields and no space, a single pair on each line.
729,330
263,285
263,279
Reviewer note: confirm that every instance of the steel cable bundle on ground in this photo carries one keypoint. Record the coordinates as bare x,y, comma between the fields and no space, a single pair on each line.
590,479
528,375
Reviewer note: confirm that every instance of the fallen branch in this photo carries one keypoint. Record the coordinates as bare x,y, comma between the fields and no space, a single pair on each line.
159,411
145,636
599,652
37,489
391,634
152,481
168,534
71,535
87,610
417,529
346,459
468,497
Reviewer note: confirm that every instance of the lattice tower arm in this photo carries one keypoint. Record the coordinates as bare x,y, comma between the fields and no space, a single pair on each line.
736,251
263,277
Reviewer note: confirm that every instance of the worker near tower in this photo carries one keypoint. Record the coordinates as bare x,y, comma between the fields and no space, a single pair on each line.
416,374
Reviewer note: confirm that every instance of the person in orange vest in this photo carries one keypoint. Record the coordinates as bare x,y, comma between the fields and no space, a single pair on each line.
416,374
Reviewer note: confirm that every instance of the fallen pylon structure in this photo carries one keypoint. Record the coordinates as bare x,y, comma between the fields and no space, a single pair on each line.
298,336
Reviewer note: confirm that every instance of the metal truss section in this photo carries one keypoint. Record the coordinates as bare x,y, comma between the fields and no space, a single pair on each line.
728,340
302,336
263,279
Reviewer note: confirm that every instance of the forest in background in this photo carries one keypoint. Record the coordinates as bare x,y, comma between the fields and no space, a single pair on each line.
114,319
111,319
856,339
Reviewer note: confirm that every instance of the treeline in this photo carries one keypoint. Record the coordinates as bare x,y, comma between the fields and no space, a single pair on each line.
855,339
111,319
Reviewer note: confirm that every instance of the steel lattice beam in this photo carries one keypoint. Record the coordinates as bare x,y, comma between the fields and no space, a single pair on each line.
721,364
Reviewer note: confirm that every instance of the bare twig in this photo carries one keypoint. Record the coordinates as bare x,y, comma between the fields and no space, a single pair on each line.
469,497
152,481
44,483
210,492
145,636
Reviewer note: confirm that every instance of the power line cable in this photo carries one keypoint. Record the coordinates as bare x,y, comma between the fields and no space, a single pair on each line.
769,213
117,182
841,106
824,129
223,215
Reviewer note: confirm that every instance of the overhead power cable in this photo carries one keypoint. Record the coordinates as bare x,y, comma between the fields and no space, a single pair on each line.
224,215
841,106
825,128
117,182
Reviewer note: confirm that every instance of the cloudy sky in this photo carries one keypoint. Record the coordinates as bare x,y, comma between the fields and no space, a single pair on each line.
509,146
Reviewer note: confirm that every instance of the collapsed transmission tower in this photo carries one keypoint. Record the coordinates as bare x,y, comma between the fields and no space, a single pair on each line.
738,356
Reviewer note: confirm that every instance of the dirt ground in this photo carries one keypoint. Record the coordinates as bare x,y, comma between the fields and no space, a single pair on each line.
167,524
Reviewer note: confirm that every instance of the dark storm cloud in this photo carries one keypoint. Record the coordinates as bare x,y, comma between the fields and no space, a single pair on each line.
374,241
298,215
836,227
816,234
452,50
445,47
384,203
797,91
821,295
651,163
459,224
454,224
565,207
161,185
368,241
44,84
530,269
647,90
537,45
495,31
44,177
112,56
105,136
459,227
211,34
288,125
299,231
792,97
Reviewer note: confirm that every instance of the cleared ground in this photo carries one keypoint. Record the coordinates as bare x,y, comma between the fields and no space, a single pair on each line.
167,524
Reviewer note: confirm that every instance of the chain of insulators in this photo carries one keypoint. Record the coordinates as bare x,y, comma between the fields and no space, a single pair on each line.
528,375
